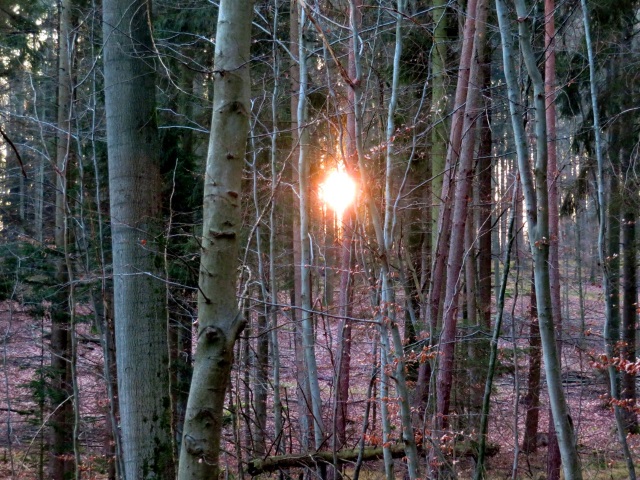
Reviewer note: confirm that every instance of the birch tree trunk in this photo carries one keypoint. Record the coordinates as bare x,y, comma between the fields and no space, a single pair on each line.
135,188
537,206
219,320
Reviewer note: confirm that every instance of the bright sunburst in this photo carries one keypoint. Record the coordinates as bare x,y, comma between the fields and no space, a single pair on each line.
338,191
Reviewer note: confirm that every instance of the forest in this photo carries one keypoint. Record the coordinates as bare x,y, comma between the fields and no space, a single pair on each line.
333,239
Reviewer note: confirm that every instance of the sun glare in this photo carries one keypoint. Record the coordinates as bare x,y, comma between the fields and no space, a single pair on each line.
338,191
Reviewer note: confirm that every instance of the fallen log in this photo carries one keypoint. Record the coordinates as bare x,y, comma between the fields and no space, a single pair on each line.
257,466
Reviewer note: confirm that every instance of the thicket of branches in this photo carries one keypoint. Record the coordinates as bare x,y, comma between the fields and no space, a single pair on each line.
486,272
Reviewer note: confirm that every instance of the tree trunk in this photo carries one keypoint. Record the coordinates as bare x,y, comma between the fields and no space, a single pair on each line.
308,337
537,205
302,389
480,346
456,246
553,458
61,463
384,236
532,398
609,261
135,187
479,472
441,234
219,320
629,315
344,311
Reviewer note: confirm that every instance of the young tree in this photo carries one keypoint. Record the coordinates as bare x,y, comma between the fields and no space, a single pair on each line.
537,208
134,189
610,282
219,320
61,464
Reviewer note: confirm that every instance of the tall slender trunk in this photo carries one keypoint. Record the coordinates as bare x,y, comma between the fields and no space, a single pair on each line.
484,168
456,245
219,319
383,228
308,337
453,155
441,234
61,463
344,312
273,281
553,457
303,390
532,398
609,261
629,313
479,472
537,205
261,367
439,139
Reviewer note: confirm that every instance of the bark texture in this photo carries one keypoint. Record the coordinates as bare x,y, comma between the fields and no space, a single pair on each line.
219,319
134,187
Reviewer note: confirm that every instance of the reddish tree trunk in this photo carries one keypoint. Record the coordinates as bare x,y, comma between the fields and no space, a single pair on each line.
456,252
344,361
529,443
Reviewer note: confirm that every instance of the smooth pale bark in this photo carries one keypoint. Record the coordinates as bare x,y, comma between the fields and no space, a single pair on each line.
536,200
135,188
219,320
608,260
388,289
273,281
302,389
308,337
261,349
553,457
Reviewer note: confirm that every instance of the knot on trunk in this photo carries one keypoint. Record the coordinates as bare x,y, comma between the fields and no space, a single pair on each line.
212,334
198,447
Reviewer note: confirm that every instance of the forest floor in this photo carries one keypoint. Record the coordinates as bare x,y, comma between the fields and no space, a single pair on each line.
25,355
